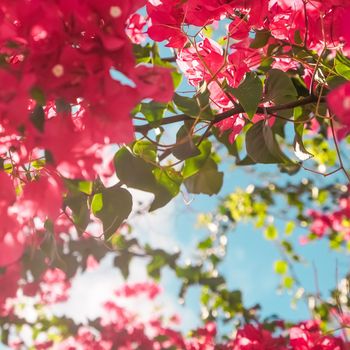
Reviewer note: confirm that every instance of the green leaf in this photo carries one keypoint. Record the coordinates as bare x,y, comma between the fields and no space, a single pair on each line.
145,149
246,161
135,172
299,149
169,178
205,244
261,39
155,265
177,77
335,81
97,203
38,117
203,100
63,106
271,233
223,137
122,262
208,180
197,106
278,86
167,187
187,105
288,247
290,169
185,147
280,267
142,53
262,146
77,200
280,89
78,203
153,111
116,207
288,282
249,93
342,66
322,197
38,95
297,37
192,165
85,187
37,164
290,226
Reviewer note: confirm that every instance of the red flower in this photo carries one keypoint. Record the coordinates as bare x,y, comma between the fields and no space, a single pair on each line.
54,286
135,28
203,62
154,82
8,281
12,245
257,338
339,103
42,198
307,336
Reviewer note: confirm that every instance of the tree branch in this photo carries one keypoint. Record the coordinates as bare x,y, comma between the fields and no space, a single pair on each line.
227,114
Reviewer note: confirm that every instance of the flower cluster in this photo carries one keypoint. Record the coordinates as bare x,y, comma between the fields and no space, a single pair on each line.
58,92
303,336
60,106
313,25
336,222
119,326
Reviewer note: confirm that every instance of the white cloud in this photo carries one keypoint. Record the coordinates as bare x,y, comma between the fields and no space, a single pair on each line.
156,228
91,289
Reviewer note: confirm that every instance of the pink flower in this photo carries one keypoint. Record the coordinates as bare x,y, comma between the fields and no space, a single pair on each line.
84,339
12,245
166,20
54,286
256,338
307,336
284,64
154,82
8,280
239,29
91,263
203,62
150,290
339,103
234,124
135,28
7,191
42,198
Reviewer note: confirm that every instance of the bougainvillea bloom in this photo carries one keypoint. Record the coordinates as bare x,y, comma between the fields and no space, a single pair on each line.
60,105
257,338
307,336
339,103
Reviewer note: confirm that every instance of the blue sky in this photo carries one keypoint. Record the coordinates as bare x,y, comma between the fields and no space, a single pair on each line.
248,265
249,262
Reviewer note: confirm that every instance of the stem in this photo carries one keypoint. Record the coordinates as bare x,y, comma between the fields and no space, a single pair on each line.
236,110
